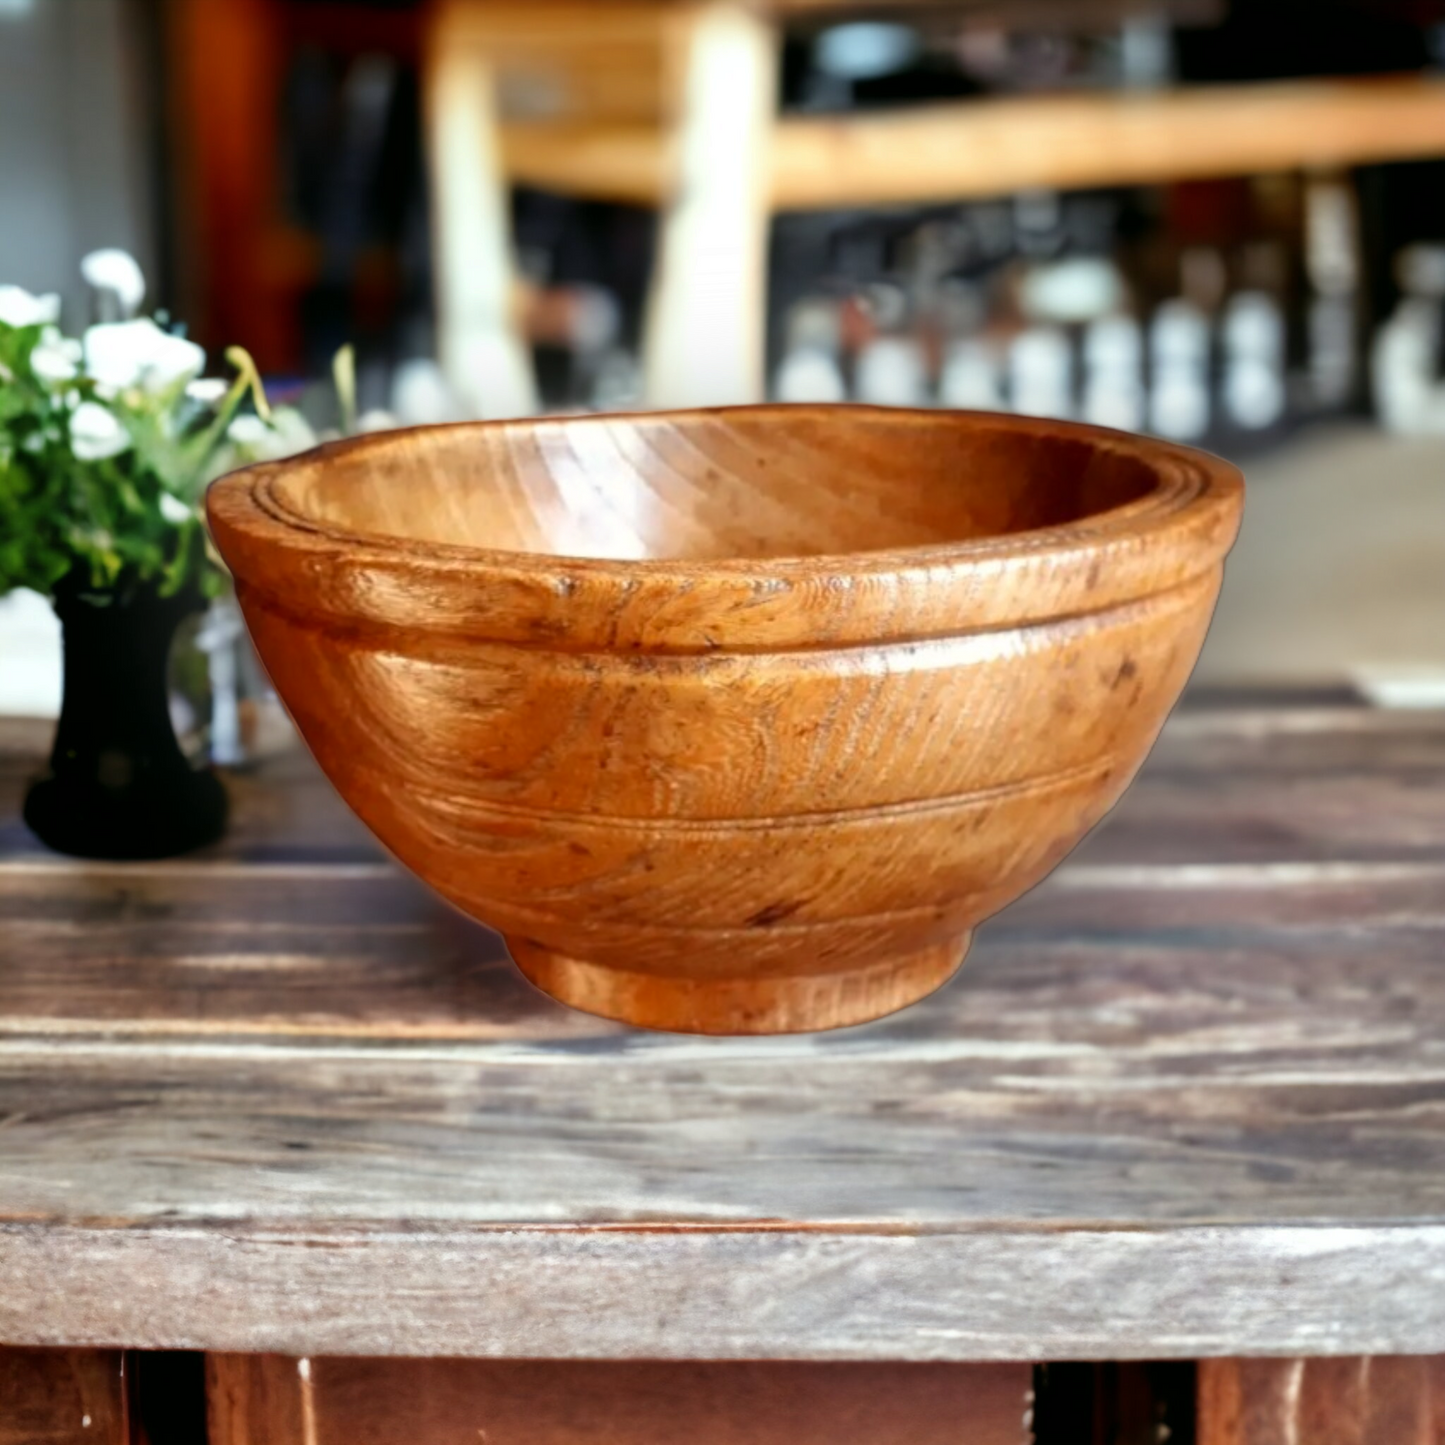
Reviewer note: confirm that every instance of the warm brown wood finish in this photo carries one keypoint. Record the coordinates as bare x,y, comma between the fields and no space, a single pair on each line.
273,1400
1186,1100
63,1397
1353,1401
733,721
267,1400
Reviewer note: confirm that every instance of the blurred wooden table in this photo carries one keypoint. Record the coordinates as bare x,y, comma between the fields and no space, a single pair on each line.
1186,1100
672,104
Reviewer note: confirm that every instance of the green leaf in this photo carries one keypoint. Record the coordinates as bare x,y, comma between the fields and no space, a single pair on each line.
343,371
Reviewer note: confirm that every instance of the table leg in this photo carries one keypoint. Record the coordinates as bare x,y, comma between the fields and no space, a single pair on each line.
706,323
482,351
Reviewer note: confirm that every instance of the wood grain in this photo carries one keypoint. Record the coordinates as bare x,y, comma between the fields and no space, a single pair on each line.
263,1400
1002,1294
1178,1069
63,1397
1185,1100
733,721
274,1400
1238,785
1397,1400
1258,787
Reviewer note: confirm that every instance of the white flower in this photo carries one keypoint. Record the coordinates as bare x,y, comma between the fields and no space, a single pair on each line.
56,359
249,431
174,510
420,394
116,271
122,354
293,431
95,433
287,433
208,390
19,308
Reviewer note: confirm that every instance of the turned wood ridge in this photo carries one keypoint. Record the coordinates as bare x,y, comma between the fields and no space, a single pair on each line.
733,721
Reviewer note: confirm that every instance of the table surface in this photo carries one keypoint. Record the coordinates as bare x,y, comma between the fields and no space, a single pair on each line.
1186,1098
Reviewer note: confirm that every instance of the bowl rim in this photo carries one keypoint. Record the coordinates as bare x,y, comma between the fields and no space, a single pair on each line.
1172,462
1191,513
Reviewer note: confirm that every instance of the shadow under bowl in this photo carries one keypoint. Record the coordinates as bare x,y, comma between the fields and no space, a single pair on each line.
732,721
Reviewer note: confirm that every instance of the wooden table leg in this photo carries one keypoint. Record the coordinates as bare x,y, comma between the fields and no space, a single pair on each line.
706,325
482,352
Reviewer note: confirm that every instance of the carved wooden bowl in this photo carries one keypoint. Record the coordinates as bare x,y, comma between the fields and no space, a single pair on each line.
732,721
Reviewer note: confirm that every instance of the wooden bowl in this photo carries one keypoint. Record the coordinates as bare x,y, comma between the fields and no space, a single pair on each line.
732,721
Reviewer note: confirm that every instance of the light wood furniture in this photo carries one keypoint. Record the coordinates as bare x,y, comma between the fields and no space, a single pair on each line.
685,90
670,105
735,721
1184,1102
966,150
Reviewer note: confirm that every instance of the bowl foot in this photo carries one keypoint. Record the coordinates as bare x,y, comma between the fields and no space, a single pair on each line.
791,1003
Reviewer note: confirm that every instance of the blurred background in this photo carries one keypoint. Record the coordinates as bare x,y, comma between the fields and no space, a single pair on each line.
1217,220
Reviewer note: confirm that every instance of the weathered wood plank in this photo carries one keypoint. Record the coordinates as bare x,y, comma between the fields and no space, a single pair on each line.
1223,1051
1261,786
348,949
1082,1080
1053,1292
275,1400
1184,1099
63,1397
351,950
283,810
1220,785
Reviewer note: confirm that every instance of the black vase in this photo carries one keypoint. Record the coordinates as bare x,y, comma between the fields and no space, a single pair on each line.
118,785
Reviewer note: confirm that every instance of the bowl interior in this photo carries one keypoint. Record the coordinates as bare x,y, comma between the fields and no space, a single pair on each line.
705,486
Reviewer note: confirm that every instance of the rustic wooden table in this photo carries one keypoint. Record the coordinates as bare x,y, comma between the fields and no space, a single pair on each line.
1187,1099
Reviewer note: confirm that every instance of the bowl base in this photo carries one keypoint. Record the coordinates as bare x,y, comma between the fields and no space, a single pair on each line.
792,1003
